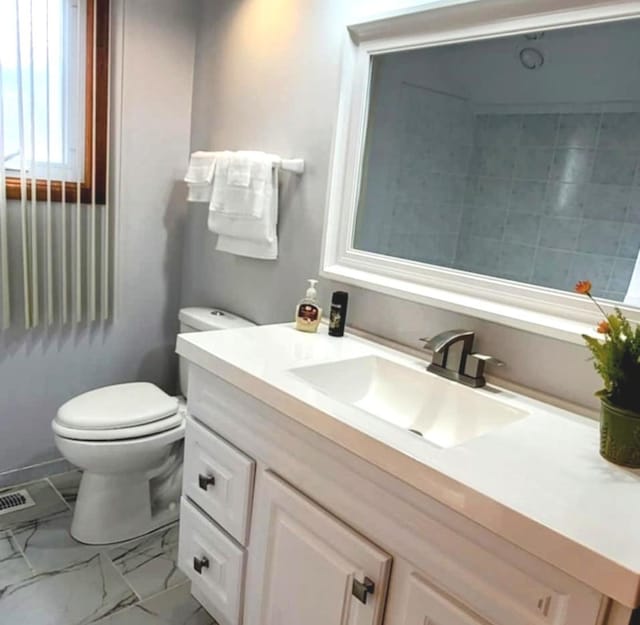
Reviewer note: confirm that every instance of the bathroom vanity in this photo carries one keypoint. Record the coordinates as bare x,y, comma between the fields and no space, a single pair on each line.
308,500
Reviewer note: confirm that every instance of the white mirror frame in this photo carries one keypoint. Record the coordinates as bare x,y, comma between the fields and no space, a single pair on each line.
544,311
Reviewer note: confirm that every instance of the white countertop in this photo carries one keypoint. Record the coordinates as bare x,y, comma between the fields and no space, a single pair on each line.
538,482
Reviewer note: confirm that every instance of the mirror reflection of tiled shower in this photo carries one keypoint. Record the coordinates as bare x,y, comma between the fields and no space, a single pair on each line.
516,158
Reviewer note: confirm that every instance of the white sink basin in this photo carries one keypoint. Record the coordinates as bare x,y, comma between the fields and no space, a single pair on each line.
443,412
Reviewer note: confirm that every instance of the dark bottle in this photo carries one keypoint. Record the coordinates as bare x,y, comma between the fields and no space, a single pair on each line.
338,313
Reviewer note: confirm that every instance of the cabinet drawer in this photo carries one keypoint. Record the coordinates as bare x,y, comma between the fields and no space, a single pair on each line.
213,562
219,478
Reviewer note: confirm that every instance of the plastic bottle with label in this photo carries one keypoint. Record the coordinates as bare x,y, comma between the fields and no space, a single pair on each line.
308,311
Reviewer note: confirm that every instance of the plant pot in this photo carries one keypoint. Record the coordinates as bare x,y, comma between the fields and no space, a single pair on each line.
619,435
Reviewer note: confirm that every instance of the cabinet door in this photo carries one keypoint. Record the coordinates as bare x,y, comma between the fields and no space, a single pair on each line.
304,564
428,606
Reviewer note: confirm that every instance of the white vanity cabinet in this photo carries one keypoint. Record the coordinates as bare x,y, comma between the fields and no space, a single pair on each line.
318,526
308,567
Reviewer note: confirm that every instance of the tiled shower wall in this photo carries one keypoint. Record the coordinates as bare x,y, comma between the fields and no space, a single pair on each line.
419,151
554,198
428,191
544,198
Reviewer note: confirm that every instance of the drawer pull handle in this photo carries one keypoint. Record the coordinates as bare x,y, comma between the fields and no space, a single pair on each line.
204,481
360,590
200,563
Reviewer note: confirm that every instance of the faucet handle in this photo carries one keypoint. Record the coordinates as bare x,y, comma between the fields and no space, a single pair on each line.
446,339
488,360
474,366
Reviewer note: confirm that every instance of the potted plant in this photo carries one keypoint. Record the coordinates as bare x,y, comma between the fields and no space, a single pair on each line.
616,357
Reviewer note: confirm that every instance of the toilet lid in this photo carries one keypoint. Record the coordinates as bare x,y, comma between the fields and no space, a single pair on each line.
117,406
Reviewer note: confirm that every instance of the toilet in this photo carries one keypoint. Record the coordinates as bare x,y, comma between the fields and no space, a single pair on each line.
128,441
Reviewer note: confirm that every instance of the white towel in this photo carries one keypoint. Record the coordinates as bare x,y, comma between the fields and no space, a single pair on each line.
242,188
201,167
239,166
200,175
265,248
250,249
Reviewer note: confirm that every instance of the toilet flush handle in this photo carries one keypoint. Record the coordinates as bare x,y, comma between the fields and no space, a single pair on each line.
204,481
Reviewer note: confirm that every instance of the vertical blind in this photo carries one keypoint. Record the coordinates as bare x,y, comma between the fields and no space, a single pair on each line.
55,222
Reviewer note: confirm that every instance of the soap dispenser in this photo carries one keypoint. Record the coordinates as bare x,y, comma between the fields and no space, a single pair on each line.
308,311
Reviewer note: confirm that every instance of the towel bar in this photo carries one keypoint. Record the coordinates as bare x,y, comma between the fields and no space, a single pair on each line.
199,175
294,165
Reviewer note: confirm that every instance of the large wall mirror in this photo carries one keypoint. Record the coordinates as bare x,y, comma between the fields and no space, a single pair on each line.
505,168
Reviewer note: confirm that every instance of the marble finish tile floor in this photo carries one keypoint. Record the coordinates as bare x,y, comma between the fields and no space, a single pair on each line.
47,578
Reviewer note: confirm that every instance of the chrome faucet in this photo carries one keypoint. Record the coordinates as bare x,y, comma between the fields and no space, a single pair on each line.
465,367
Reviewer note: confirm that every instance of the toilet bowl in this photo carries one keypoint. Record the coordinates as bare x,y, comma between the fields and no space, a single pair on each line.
128,439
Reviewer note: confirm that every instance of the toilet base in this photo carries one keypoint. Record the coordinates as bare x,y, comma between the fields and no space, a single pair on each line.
129,486
115,508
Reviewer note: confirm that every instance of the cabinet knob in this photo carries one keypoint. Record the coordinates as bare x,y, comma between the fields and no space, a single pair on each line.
360,590
204,481
200,563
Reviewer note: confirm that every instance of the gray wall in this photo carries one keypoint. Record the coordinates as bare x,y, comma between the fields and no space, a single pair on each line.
267,77
40,369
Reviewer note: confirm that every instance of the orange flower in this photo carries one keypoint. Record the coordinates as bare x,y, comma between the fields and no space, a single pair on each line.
584,287
604,327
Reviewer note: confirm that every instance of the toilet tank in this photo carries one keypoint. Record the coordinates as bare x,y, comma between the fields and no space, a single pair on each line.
197,319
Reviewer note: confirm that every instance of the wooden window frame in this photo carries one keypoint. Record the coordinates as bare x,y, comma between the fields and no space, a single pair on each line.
88,191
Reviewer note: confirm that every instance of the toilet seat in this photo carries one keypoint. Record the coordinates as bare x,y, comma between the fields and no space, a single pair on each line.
119,434
119,412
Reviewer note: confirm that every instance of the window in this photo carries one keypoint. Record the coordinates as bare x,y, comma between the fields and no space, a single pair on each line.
54,123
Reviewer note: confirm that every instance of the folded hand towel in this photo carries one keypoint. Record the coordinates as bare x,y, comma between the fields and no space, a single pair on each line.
201,167
246,202
256,238
199,176
251,249
239,168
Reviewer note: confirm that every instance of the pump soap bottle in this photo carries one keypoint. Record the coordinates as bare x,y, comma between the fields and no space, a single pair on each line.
308,311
